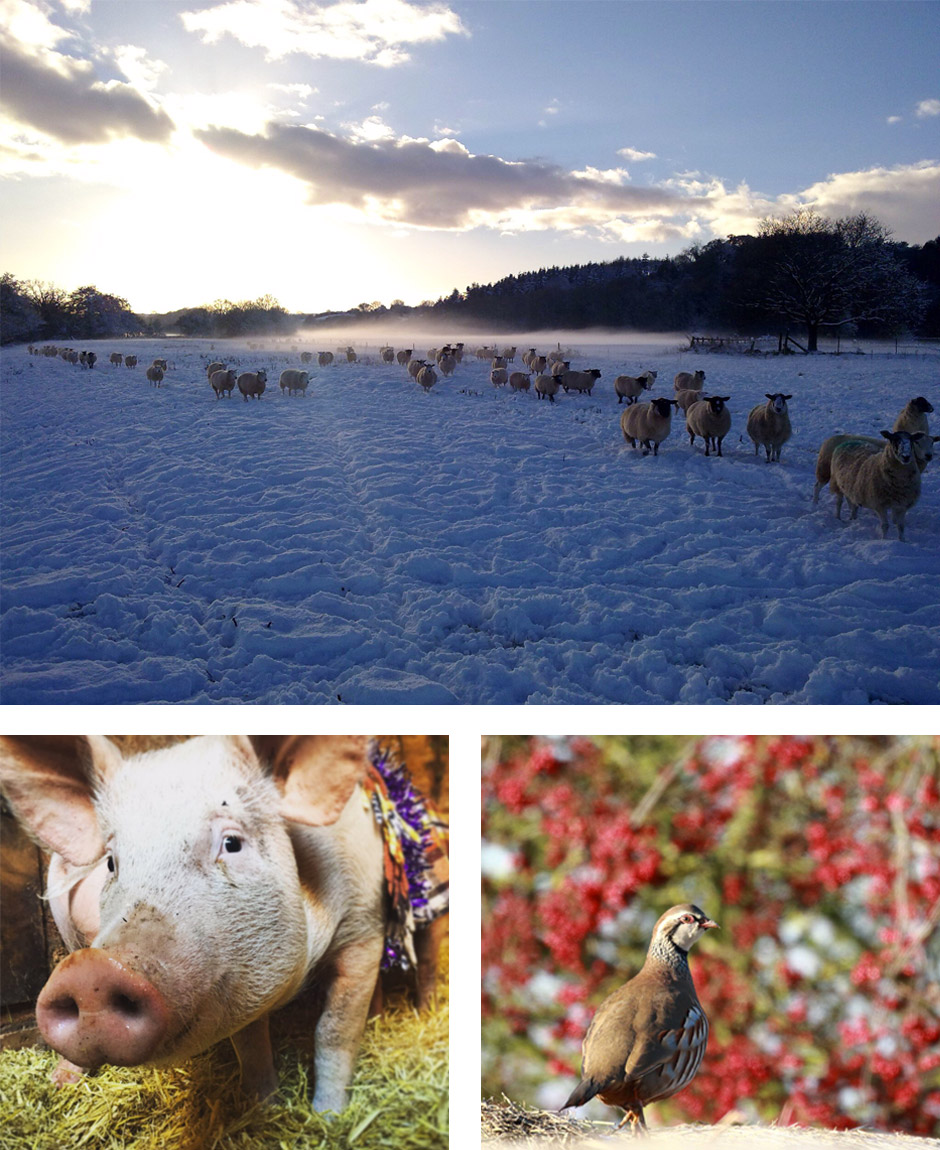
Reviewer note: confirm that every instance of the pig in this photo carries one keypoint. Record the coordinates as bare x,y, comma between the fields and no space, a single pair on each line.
197,887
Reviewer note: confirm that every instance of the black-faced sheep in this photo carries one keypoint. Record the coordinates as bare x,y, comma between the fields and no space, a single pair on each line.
631,387
155,375
913,416
547,385
650,423
686,381
579,380
710,419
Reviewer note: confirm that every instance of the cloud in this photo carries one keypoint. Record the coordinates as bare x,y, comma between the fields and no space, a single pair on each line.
377,32
61,96
635,156
439,184
927,108
905,198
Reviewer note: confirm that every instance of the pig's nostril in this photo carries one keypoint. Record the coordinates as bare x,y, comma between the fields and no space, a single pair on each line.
64,1008
124,1005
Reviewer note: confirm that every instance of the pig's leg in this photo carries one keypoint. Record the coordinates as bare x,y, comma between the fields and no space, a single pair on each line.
67,1073
343,1020
253,1047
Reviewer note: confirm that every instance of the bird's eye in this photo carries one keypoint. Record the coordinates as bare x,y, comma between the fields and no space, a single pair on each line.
688,918
231,844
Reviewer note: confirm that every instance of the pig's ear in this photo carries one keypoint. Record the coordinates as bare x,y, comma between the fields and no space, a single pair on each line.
49,782
316,774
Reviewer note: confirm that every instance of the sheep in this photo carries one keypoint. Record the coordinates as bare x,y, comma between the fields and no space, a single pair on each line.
887,480
520,380
404,356
547,385
161,363
579,380
649,423
350,353
686,381
923,454
558,366
499,377
528,356
684,399
497,362
222,381
447,364
416,365
324,358
630,387
306,357
252,383
387,354
538,364
710,419
509,354
213,368
768,425
129,360
427,377
155,375
294,379
91,359
116,358
913,416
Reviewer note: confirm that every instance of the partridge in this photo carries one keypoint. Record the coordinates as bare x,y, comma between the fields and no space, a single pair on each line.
647,1039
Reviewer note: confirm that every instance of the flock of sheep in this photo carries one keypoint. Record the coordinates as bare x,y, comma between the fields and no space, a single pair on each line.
881,474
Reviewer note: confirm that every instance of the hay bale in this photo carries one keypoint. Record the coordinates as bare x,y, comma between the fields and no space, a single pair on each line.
509,1125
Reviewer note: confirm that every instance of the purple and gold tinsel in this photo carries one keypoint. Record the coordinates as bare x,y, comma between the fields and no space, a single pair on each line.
415,855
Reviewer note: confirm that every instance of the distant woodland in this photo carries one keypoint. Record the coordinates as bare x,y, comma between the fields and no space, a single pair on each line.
803,275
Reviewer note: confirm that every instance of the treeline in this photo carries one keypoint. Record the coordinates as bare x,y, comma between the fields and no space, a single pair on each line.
807,281
32,311
803,273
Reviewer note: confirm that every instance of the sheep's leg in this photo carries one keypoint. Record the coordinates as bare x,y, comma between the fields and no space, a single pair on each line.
899,516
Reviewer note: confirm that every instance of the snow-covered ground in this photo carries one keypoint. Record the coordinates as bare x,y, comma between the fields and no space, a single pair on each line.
374,544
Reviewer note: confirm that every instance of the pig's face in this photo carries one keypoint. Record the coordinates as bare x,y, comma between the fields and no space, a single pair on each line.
201,894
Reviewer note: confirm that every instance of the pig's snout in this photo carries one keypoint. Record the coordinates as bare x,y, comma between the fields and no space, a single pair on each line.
94,1009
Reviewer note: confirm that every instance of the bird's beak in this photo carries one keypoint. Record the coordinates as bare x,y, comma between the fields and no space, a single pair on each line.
709,925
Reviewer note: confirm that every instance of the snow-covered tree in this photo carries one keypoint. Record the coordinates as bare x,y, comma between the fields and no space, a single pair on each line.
826,273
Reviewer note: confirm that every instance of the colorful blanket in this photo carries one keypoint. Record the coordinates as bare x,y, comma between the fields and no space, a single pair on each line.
415,842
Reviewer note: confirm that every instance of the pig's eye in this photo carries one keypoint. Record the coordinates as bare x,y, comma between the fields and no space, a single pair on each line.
111,866
231,844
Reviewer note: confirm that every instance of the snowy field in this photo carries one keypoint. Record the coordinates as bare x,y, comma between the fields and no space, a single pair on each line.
374,544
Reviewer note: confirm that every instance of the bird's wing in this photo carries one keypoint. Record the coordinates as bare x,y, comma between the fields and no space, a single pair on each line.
631,1037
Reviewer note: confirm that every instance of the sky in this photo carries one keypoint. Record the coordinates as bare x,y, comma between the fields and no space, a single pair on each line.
348,151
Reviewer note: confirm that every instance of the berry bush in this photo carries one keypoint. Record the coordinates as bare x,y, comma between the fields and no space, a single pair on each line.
818,856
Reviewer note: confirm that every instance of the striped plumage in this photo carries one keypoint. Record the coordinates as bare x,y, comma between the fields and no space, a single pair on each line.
647,1039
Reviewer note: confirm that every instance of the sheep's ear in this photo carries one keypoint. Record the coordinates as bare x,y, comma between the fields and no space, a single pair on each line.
769,396
788,397
918,436
889,435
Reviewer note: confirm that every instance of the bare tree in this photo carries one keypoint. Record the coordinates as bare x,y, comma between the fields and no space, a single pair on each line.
827,273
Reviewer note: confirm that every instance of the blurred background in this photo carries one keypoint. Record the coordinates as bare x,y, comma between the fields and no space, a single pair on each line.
818,856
